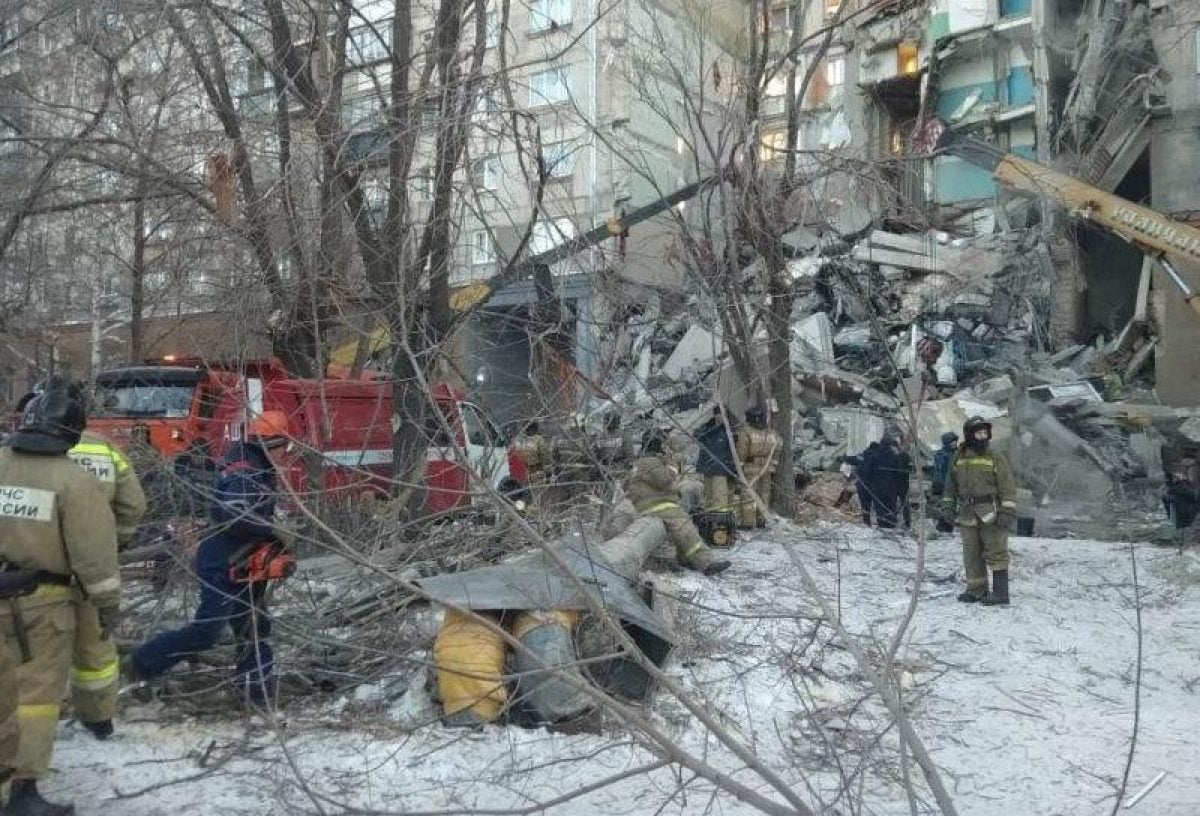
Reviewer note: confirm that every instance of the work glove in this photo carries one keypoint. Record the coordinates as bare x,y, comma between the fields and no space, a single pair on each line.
110,619
1006,520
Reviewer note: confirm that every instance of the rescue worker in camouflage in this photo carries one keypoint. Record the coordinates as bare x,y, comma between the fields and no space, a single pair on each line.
95,671
56,524
9,731
758,451
531,446
982,497
651,487
715,462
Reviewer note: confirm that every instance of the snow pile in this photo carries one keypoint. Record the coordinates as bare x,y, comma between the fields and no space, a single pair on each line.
1028,710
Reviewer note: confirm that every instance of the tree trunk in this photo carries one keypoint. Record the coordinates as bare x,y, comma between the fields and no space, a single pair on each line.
410,411
779,354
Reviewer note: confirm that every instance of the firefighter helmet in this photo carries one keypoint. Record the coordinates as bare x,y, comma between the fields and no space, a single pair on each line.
975,424
53,420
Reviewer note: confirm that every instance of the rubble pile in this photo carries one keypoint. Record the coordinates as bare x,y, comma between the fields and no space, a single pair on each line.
926,329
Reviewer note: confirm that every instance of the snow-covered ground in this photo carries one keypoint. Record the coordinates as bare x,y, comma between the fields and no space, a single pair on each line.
1027,710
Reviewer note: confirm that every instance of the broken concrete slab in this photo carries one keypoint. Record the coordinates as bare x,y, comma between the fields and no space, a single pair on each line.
853,337
1082,390
816,333
698,346
855,428
997,390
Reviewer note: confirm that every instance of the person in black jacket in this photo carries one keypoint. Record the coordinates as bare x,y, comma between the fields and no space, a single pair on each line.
715,462
889,481
864,479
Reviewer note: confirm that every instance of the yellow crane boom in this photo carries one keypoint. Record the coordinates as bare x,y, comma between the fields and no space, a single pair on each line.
1155,234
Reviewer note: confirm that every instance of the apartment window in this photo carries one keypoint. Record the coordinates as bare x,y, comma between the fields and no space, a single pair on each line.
549,234
908,58
431,110
487,106
483,248
492,30
781,20
421,184
832,7
560,159
772,145
370,43
549,14
376,196
550,87
827,81
358,112
835,71
485,173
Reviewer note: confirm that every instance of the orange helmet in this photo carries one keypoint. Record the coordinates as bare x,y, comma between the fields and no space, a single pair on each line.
269,428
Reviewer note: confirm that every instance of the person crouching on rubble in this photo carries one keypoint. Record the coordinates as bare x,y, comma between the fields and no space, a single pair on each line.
651,487
982,496
234,563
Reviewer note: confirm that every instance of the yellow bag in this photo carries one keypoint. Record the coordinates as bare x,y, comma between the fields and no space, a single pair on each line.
470,667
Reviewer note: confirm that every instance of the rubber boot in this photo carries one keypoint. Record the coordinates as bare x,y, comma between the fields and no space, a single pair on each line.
26,801
101,729
999,594
971,596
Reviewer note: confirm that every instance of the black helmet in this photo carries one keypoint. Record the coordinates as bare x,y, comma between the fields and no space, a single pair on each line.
975,423
653,440
756,416
949,438
53,420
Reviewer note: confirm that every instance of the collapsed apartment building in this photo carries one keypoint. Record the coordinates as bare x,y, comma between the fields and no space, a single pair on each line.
1071,339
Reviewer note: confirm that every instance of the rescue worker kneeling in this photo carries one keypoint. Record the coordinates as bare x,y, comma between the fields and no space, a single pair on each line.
56,532
234,563
650,485
982,496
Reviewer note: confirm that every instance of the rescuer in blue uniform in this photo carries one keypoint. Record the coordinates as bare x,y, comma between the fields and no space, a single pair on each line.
241,512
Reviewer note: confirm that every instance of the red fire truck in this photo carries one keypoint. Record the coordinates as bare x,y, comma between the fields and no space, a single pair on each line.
195,410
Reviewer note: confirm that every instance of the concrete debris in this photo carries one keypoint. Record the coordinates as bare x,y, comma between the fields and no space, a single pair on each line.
698,346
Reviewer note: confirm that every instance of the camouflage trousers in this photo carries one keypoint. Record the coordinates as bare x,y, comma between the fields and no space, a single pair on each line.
984,546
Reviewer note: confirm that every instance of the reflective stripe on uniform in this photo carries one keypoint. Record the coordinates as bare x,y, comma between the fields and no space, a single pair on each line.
695,548
95,679
1010,504
42,711
658,508
51,591
112,584
102,449
976,461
